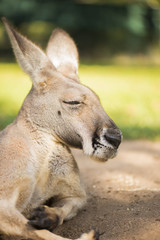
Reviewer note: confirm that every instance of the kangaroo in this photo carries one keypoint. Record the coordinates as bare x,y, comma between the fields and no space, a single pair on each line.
40,185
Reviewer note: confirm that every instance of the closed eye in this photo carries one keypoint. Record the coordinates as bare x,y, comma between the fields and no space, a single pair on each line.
72,102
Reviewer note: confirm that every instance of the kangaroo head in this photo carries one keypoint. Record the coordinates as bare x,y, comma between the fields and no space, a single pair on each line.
58,103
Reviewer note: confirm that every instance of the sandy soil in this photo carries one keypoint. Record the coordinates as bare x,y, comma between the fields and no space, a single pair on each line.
123,195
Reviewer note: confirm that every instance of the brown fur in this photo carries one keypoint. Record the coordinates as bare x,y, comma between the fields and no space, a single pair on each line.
36,164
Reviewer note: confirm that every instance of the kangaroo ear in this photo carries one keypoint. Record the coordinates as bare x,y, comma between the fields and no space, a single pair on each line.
30,57
63,53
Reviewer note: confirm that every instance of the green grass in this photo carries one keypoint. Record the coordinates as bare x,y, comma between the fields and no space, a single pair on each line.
129,94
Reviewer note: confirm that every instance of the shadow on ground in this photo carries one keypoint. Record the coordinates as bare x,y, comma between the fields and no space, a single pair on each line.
124,195
137,217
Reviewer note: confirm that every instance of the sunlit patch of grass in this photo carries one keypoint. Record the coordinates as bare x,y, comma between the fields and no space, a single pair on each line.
14,86
130,95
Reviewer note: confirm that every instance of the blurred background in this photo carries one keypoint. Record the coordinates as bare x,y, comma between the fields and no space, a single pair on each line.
119,46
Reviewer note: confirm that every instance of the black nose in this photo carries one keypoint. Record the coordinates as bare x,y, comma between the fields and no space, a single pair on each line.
113,136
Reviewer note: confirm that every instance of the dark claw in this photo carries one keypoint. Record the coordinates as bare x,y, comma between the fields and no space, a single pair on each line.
45,223
40,219
96,235
101,233
38,213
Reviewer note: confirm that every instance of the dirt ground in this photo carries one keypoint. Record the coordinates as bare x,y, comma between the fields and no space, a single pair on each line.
123,195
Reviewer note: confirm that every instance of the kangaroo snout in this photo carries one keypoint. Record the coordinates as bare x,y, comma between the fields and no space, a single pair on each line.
105,143
113,136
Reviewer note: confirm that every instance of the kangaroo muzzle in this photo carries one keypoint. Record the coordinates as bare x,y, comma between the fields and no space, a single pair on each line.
106,143
113,137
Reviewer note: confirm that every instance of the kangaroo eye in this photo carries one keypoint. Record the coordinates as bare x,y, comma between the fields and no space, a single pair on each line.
72,102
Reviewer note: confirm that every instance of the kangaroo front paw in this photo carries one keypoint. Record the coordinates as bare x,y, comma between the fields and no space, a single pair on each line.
41,219
92,235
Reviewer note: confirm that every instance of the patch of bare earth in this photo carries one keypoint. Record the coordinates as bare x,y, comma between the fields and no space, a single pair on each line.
123,195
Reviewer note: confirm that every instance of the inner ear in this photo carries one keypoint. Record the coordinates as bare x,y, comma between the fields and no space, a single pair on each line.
63,53
69,71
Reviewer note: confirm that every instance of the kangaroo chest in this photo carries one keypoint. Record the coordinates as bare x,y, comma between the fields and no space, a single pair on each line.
51,176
